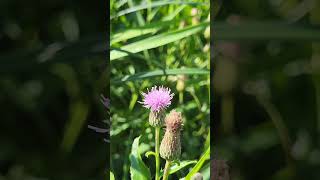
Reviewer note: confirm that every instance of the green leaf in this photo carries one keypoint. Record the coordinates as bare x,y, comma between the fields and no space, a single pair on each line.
147,154
264,31
205,171
175,13
139,31
199,164
157,40
176,167
119,129
138,170
112,176
207,142
144,75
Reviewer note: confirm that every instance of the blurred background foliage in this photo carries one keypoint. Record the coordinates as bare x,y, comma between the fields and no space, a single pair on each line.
52,71
159,43
267,88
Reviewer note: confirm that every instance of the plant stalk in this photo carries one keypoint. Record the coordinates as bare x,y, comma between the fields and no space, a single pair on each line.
166,170
157,142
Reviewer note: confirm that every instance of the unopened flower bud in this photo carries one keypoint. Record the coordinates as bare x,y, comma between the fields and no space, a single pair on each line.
170,148
156,119
194,11
181,83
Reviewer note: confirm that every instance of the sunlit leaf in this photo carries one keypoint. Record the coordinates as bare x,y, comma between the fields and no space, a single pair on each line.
139,31
178,166
199,164
149,153
138,170
112,176
157,40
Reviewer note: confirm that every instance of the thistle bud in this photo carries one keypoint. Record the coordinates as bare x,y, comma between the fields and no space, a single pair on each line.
170,148
156,119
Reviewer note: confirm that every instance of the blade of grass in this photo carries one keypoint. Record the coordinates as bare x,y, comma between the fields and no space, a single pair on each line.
199,164
158,40
145,75
135,32
175,13
152,5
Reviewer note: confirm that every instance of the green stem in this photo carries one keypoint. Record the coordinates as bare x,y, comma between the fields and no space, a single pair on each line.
181,97
166,170
157,142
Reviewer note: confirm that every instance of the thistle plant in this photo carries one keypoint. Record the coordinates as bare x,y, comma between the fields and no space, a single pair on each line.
170,148
157,100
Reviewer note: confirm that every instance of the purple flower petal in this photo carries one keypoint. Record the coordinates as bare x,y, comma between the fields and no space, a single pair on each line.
157,99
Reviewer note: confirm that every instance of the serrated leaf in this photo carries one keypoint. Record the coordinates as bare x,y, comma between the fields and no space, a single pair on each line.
138,170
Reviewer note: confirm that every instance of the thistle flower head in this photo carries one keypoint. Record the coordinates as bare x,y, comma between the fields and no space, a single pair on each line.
156,119
170,147
173,121
159,98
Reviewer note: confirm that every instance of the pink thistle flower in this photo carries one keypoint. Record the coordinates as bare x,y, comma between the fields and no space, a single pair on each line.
159,98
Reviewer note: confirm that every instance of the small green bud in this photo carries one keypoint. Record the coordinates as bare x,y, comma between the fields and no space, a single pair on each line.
156,119
170,147
180,83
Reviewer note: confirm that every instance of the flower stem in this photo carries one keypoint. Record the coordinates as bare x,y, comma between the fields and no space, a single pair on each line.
166,170
157,139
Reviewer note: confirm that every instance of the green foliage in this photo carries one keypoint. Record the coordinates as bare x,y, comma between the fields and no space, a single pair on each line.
138,169
199,164
156,41
179,165
112,176
159,43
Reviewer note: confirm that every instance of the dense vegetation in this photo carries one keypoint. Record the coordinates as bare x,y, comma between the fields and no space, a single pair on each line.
162,43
